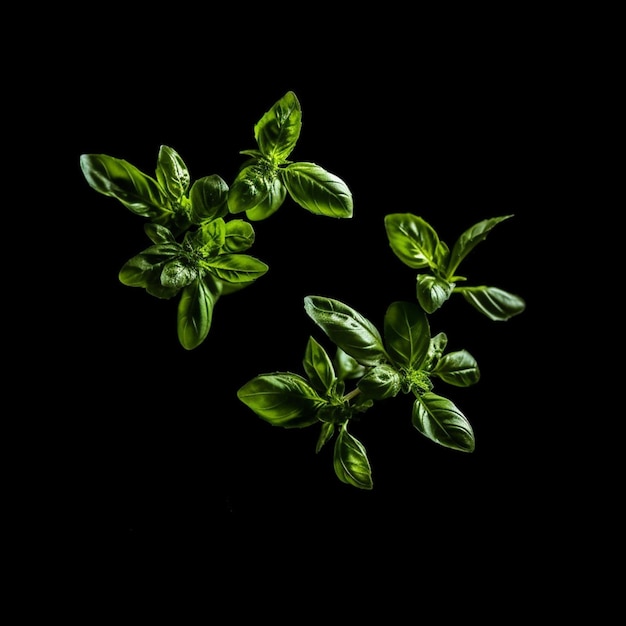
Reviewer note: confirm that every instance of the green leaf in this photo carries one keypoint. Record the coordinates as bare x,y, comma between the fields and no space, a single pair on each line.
145,269
414,241
347,367
159,234
238,236
380,382
117,178
195,312
178,274
318,367
317,190
407,334
256,187
278,130
347,328
236,268
441,421
326,432
350,461
172,173
496,304
432,292
209,199
457,368
468,240
282,399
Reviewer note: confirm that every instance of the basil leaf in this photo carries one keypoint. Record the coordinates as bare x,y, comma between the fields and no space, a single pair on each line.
172,173
350,461
380,382
495,303
326,432
278,130
158,234
178,274
145,269
432,292
414,241
347,367
277,193
117,178
256,186
407,334
347,328
236,268
282,399
457,368
238,236
195,312
317,190
469,239
318,367
209,199
441,421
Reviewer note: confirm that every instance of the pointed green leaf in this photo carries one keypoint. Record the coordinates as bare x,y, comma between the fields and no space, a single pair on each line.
282,399
347,367
238,236
317,190
380,382
347,328
326,432
468,240
432,292
496,304
256,186
350,461
172,173
457,368
236,268
414,241
278,130
195,312
159,234
318,367
407,334
209,197
117,178
441,421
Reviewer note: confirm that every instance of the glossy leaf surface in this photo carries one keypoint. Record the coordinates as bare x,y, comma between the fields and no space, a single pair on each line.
277,132
496,304
282,399
432,292
469,239
407,334
442,422
117,178
172,173
350,461
319,367
209,197
457,368
195,312
317,190
347,328
414,241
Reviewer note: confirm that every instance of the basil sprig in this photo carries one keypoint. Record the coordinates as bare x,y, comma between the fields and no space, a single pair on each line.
415,242
404,358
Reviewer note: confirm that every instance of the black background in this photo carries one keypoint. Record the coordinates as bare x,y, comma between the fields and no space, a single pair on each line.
453,124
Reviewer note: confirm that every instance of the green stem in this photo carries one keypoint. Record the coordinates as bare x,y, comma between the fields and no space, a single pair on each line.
352,394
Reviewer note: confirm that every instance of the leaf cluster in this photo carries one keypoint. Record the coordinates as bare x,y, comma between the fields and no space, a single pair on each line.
198,241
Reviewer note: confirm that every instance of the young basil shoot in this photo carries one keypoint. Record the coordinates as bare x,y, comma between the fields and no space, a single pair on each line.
415,242
403,358
198,247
